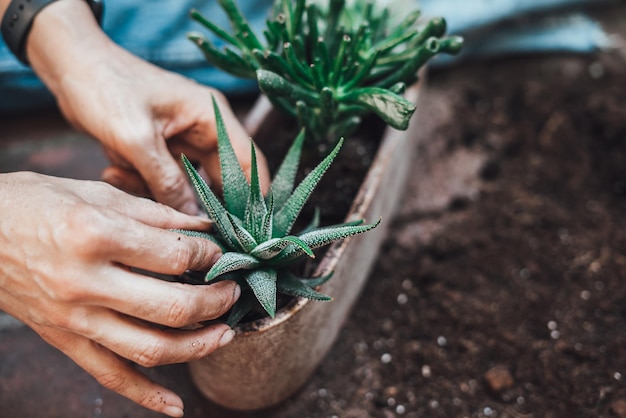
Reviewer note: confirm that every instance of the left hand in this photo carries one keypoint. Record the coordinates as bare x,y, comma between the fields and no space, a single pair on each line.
144,116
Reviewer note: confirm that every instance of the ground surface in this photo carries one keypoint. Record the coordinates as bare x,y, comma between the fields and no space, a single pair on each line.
500,291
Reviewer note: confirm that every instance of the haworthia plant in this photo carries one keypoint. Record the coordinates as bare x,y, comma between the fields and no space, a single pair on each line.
258,246
327,62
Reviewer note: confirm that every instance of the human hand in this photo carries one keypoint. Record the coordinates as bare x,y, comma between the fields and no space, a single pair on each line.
66,248
144,116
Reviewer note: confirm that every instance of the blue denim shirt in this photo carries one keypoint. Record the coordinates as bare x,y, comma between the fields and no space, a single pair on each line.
154,30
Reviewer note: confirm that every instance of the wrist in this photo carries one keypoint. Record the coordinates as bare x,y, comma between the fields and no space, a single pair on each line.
62,36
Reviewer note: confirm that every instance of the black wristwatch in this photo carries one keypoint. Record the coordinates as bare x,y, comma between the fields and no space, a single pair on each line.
19,17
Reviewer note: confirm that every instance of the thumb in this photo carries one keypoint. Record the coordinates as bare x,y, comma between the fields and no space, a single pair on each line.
166,180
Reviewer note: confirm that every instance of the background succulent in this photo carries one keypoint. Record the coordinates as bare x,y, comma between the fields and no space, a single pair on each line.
328,64
254,231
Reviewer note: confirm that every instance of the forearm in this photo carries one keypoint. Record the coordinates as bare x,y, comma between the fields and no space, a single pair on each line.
61,34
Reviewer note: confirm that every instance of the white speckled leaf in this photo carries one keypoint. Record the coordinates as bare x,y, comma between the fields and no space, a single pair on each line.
233,179
286,216
263,284
231,262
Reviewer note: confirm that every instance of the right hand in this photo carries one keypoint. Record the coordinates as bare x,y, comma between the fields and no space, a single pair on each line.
66,249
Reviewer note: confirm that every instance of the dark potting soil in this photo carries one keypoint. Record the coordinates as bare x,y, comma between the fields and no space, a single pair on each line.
501,289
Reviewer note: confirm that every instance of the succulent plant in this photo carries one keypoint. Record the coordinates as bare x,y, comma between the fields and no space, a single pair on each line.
254,231
328,66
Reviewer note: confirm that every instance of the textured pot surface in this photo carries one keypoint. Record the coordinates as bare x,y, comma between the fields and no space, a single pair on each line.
271,358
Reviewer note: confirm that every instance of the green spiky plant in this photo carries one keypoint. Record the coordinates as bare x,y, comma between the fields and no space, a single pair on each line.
329,66
254,232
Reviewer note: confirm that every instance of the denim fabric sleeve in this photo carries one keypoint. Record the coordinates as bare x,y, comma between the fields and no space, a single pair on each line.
154,30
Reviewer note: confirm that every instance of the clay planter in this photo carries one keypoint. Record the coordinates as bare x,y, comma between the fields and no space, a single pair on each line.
270,359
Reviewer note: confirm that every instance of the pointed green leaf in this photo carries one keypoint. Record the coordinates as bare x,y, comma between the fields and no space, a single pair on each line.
274,62
393,42
393,109
241,308
451,45
327,105
317,72
231,262
324,236
291,285
285,178
268,219
317,281
214,208
263,284
269,249
286,216
408,70
339,60
255,208
349,223
236,187
270,37
363,69
322,59
229,61
274,85
303,71
241,27
246,240
221,33
436,27
297,17
406,23
313,18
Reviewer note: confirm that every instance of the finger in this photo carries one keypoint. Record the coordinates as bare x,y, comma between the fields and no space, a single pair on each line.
127,180
210,161
164,176
114,373
113,202
175,305
202,135
146,344
134,244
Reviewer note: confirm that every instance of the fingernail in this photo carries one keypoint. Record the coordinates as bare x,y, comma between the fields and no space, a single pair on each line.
227,337
236,293
174,411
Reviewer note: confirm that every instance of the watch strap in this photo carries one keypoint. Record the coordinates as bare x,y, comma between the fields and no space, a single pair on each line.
18,20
